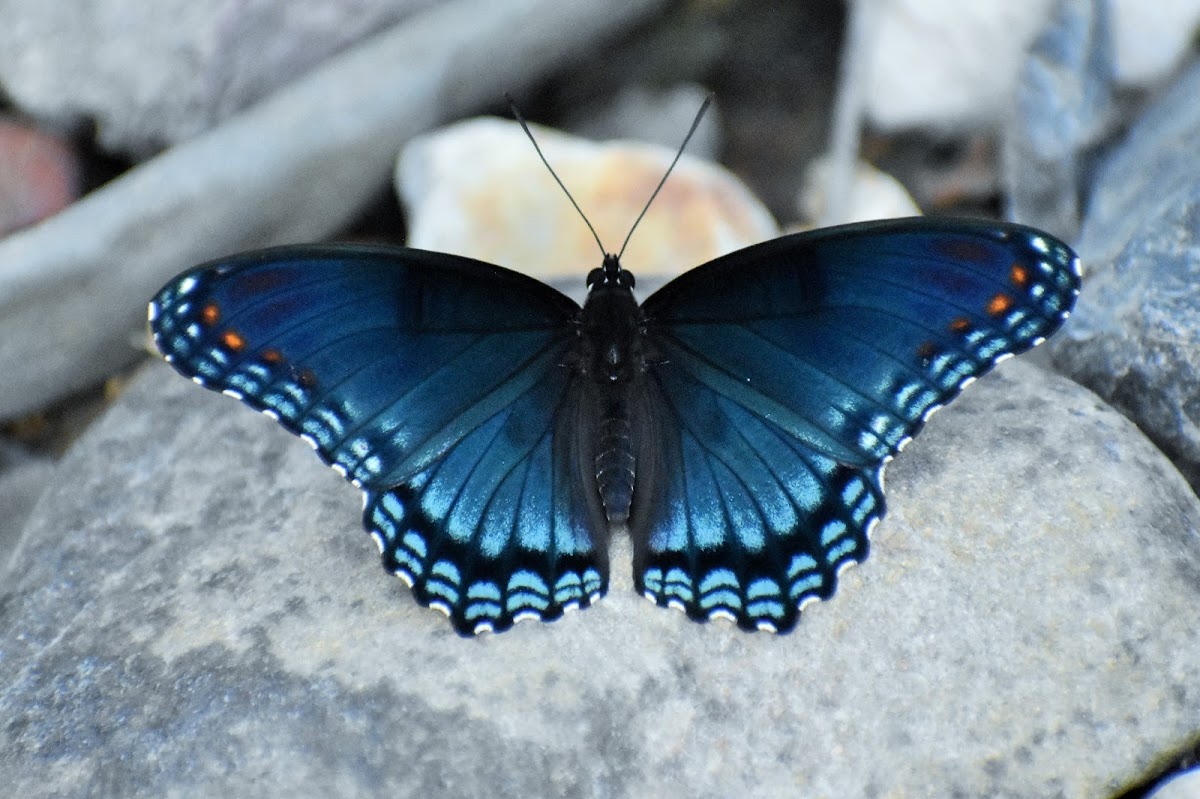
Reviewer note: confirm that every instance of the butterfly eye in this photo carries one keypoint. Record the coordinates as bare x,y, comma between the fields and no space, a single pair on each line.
626,279
594,277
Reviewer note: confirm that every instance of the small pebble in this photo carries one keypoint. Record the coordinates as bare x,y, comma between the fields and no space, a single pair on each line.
478,189
39,175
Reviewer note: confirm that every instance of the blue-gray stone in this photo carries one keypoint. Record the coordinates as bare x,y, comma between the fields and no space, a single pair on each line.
1135,335
1062,108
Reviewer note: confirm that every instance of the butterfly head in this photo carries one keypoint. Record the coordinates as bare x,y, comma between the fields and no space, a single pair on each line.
610,275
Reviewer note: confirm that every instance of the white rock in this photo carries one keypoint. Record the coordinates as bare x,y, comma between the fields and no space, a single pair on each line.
947,63
874,194
477,188
950,64
1151,39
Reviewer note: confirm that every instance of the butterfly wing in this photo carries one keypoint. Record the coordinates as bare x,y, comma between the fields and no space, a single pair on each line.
439,385
783,377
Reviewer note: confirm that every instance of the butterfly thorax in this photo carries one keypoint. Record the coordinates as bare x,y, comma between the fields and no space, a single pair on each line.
610,326
611,357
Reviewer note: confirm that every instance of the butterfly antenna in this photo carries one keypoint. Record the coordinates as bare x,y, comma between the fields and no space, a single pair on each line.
516,113
658,188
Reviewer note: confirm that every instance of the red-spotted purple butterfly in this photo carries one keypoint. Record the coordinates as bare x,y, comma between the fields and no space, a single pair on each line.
735,424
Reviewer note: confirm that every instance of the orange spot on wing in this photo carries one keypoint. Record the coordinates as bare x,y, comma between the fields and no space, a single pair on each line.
210,314
272,357
233,341
1019,275
926,350
999,304
307,379
960,325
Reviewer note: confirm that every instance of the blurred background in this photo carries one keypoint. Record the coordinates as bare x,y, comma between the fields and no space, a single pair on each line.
138,139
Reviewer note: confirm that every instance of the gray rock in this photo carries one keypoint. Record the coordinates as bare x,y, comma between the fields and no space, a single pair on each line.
1062,107
23,478
1133,337
296,167
151,74
197,612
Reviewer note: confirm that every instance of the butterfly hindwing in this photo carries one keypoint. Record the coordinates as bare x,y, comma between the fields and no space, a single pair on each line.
782,377
437,384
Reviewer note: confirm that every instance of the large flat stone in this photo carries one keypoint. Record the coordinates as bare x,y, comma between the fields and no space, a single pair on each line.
196,610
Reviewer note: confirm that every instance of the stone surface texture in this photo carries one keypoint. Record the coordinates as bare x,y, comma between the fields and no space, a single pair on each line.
195,610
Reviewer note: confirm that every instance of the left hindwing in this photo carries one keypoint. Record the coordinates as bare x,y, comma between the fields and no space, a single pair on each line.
782,377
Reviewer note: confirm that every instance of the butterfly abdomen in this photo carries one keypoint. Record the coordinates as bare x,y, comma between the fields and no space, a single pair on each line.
615,464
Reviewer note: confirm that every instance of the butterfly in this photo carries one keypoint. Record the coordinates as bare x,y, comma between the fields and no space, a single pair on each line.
735,424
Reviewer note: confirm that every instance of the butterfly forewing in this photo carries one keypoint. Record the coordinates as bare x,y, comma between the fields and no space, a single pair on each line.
786,374
440,386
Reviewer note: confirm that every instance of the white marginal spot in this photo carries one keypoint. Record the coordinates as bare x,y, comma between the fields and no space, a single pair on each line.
650,596
270,414
339,468
378,538
152,312
966,381
1004,356
930,411
808,600
198,380
571,606
187,285
406,577
312,442
1038,243
845,564
675,603
595,596
722,613
766,627
230,392
441,607
484,627
527,615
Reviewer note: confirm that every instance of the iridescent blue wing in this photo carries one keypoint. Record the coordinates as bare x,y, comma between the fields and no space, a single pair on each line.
783,377
439,385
